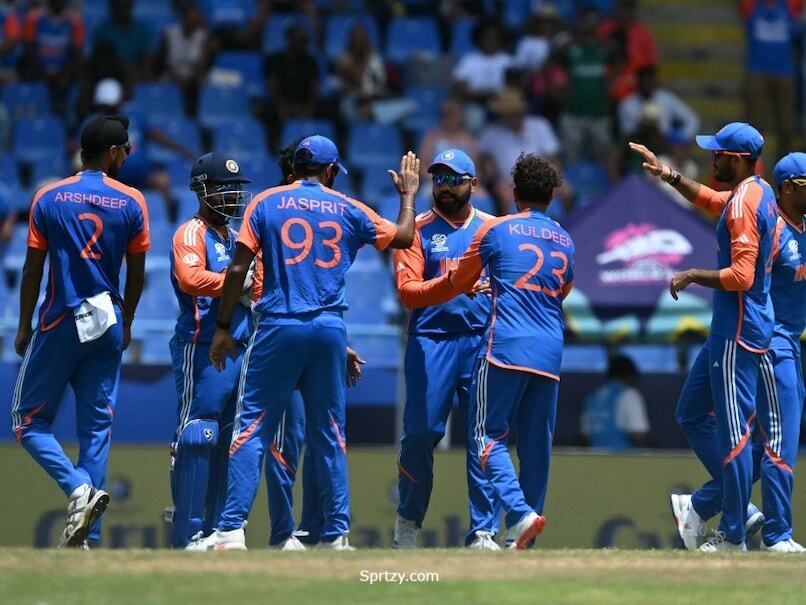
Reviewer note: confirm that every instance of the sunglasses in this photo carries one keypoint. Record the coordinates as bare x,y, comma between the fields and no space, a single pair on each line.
126,147
739,154
799,182
452,180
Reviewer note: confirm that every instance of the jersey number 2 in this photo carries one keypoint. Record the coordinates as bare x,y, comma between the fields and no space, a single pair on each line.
305,245
524,282
87,252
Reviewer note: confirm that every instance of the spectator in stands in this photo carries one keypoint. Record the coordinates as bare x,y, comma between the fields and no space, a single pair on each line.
9,41
586,127
630,46
678,157
293,79
772,26
362,76
648,132
481,74
237,24
548,87
132,38
514,132
614,415
450,133
674,113
535,45
53,36
185,51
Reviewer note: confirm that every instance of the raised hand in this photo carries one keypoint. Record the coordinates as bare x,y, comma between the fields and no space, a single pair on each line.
408,180
651,163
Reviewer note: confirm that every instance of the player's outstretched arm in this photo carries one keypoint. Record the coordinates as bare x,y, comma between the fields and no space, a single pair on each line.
135,279
407,182
223,343
698,194
29,292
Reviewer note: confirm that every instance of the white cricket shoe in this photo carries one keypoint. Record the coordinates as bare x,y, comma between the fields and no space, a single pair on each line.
406,533
754,520
234,539
200,543
524,531
718,542
784,546
340,543
290,543
484,540
689,524
86,504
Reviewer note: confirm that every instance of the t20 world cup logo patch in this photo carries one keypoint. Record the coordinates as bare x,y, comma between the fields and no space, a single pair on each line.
439,242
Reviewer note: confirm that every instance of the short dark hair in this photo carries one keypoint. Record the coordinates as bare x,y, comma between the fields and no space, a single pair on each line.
535,179
286,159
622,366
304,168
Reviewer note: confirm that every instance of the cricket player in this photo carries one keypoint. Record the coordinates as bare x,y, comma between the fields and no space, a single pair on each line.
530,261
202,250
725,375
780,390
84,226
286,446
309,235
443,342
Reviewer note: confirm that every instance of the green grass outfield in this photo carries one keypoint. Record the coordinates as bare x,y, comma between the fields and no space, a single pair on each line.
588,577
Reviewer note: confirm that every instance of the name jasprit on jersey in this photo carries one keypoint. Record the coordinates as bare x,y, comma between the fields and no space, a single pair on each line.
304,203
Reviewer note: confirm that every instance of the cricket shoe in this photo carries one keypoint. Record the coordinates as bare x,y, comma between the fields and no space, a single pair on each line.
340,543
85,506
689,524
484,540
520,535
718,542
290,543
201,543
406,533
754,521
784,546
233,539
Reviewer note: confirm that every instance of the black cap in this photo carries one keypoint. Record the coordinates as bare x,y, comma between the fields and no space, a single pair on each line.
103,132
217,167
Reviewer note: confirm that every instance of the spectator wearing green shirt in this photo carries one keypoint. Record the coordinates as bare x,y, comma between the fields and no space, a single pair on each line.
132,39
586,124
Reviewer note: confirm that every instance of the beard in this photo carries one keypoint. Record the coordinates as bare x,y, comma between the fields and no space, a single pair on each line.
448,203
726,175
114,170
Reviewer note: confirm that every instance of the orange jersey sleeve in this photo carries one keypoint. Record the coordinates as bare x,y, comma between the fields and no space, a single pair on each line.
142,241
413,290
469,269
744,240
711,201
190,253
385,230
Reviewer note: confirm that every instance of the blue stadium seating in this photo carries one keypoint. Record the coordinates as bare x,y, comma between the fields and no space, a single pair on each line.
409,35
370,296
653,358
178,170
274,32
584,358
26,100
181,130
339,27
242,138
159,99
589,180
382,350
38,138
298,127
429,99
144,9
228,13
8,171
220,105
157,211
154,348
368,259
374,146
485,204
47,170
262,171
14,258
377,185
516,12
249,66
462,36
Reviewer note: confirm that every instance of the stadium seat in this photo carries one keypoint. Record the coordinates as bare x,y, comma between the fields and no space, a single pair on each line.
178,170
339,27
37,138
485,204
274,32
248,65
377,185
462,36
653,358
388,206
219,105
243,138
144,9
14,258
159,99
157,211
429,99
179,129
263,171
228,13
409,35
588,179
368,259
48,170
373,146
584,358
515,13
382,350
298,127
154,348
26,100
8,171
370,297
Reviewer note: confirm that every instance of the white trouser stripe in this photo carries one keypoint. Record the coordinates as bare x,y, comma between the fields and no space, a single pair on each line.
16,420
481,408
279,436
734,395
236,424
190,353
768,375
726,388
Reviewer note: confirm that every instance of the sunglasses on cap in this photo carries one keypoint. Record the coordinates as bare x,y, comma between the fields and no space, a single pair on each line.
740,154
452,180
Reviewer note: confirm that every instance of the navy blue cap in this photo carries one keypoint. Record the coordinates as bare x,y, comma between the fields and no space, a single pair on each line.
323,151
791,166
455,159
736,137
217,167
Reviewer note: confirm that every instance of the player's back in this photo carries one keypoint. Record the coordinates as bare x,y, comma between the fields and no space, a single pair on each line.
309,235
748,219
87,223
788,289
530,259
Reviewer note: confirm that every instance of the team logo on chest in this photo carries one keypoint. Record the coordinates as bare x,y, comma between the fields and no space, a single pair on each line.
439,242
221,250
793,250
